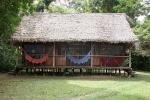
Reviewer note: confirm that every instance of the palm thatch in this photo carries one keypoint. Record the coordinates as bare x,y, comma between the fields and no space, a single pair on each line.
97,27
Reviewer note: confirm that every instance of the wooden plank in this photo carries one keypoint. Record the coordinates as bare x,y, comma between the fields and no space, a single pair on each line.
50,61
96,61
60,61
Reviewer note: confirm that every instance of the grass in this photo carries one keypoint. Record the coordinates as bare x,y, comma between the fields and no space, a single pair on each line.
75,88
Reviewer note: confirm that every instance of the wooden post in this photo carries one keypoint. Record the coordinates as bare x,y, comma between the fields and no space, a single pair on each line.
91,55
130,63
22,56
119,71
54,55
17,59
65,57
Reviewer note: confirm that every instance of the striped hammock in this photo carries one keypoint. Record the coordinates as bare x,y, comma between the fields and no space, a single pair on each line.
36,60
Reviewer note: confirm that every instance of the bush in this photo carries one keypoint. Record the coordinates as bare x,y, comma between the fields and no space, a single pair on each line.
7,56
140,62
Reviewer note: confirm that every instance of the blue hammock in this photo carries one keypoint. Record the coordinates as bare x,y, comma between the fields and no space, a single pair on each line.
82,60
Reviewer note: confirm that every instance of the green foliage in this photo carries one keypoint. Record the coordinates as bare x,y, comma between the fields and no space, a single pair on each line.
108,5
143,32
144,8
82,6
40,5
47,2
130,7
54,8
11,12
141,57
140,62
7,56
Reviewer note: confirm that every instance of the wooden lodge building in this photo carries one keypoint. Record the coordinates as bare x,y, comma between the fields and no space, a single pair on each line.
91,42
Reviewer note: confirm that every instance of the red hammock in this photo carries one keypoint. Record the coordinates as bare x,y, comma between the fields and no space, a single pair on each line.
36,60
113,62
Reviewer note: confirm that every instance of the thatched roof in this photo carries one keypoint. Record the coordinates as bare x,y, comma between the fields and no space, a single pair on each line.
98,27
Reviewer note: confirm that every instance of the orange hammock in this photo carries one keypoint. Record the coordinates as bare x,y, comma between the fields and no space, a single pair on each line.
36,60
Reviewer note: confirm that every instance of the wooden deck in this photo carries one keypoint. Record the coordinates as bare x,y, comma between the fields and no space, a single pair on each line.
73,70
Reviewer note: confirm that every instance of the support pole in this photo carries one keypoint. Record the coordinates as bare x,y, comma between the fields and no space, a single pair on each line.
65,57
54,55
130,63
17,60
91,55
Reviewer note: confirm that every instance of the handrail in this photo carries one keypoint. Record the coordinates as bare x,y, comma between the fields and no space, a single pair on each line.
92,55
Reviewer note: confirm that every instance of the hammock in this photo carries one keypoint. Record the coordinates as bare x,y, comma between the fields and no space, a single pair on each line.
115,61
79,60
36,60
